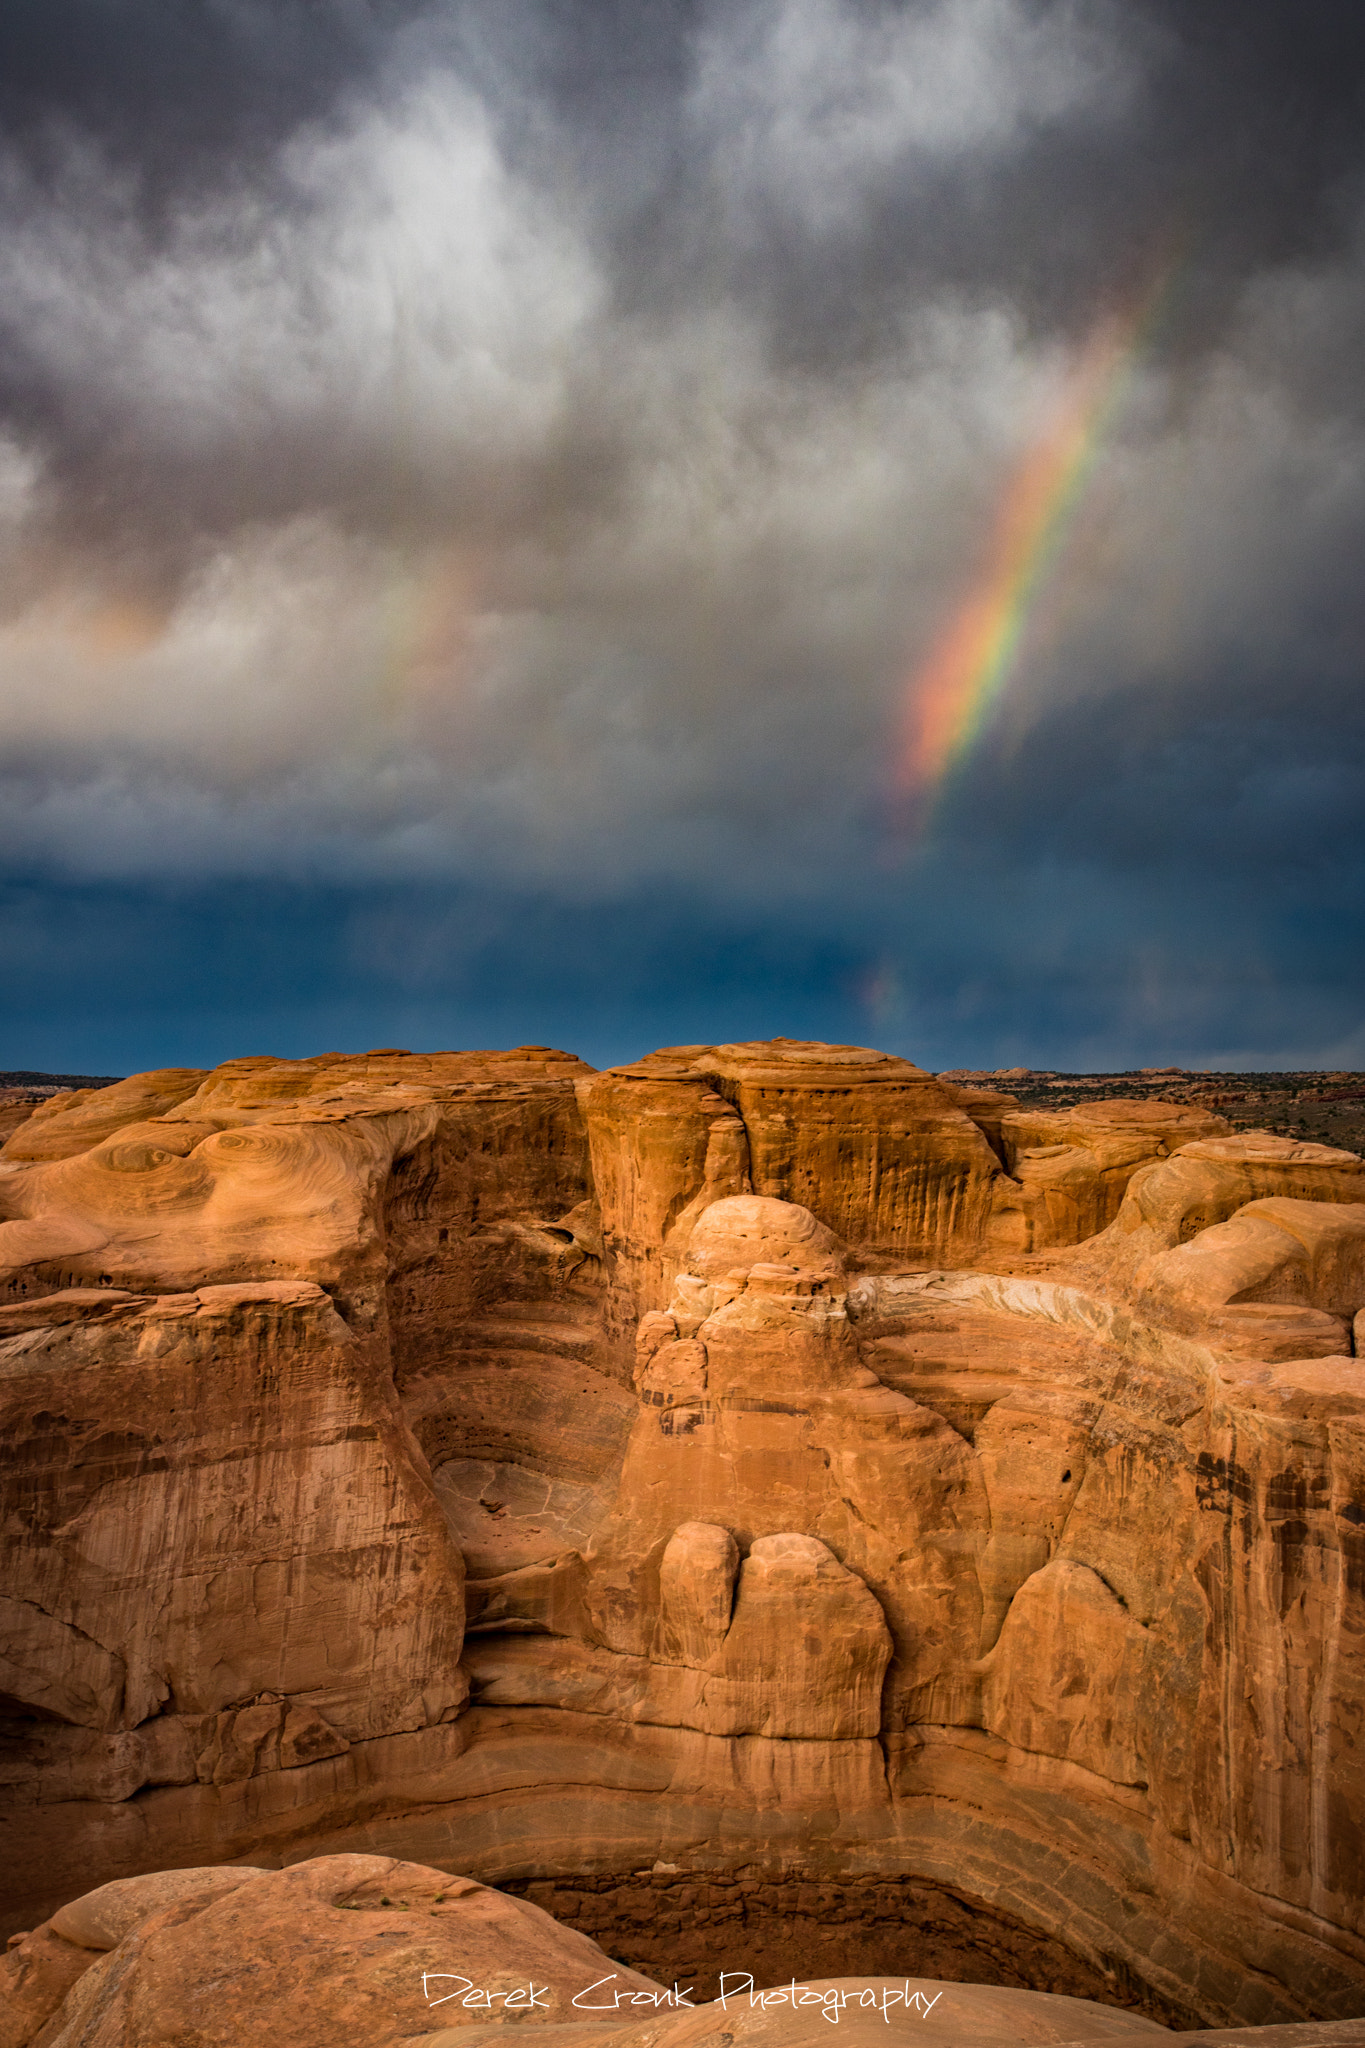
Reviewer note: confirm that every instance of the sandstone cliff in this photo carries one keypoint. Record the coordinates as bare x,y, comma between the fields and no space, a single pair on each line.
760,1458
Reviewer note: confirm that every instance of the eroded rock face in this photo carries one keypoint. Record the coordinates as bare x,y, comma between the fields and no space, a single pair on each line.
1071,1168
881,1149
759,1457
229,1568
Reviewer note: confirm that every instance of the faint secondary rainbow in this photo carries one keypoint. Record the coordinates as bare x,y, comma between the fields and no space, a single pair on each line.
423,626
953,690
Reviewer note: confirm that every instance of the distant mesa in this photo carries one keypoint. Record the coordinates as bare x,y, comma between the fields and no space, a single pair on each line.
763,1501
53,1084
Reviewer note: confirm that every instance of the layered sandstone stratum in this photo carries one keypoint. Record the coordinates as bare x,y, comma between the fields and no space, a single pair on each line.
761,1471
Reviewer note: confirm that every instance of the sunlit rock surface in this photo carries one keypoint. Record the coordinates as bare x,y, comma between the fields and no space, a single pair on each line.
762,1462
338,1950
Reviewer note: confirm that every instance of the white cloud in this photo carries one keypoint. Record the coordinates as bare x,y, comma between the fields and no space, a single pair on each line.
809,105
399,283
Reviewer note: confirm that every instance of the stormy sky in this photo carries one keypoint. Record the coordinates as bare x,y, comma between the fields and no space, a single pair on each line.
479,483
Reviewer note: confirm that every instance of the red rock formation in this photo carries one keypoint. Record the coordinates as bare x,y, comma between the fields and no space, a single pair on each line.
1072,1167
895,1167
78,1118
343,1949
511,1468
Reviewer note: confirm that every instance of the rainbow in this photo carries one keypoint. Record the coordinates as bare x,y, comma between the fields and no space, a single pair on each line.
952,691
425,620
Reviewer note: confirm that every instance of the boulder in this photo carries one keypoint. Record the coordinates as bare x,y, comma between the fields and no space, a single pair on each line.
339,1948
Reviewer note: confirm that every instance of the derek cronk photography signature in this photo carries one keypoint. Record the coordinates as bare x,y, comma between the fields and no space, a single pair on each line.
735,1986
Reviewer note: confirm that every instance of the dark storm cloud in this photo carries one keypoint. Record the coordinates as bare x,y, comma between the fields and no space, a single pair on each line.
965,962
197,976
516,453
1231,129
182,91
823,170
